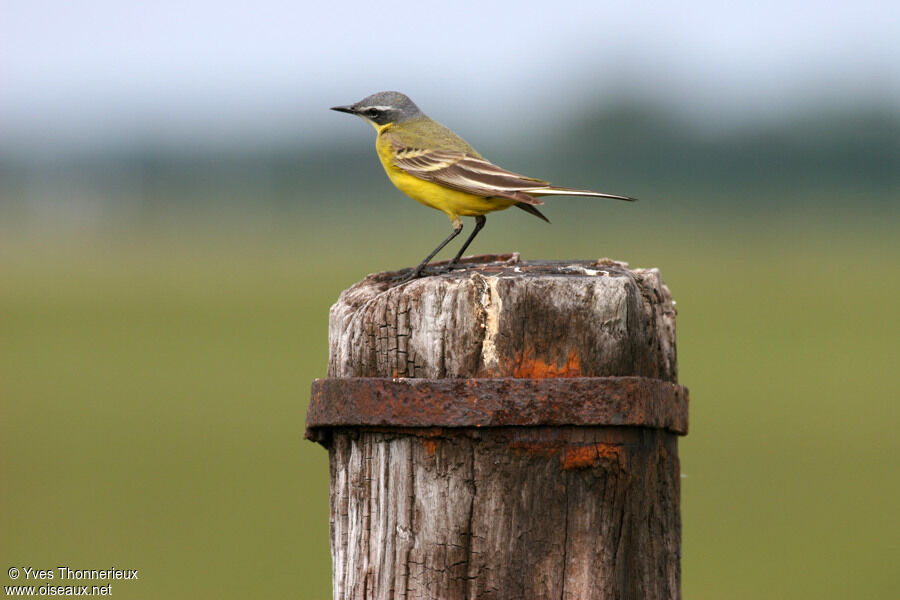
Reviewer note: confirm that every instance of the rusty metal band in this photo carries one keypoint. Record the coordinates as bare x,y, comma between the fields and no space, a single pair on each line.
416,403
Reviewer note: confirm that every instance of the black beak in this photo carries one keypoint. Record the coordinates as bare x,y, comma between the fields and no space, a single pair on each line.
345,109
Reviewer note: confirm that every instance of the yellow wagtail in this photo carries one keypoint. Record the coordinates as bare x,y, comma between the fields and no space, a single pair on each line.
437,168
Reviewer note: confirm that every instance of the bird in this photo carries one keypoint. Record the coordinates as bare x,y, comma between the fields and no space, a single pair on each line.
437,168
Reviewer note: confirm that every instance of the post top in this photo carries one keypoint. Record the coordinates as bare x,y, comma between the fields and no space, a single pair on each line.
508,265
505,317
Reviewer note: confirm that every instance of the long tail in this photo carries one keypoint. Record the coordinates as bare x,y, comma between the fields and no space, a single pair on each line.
562,191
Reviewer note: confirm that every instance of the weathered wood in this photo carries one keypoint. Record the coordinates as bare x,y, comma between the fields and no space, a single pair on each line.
539,513
566,319
587,512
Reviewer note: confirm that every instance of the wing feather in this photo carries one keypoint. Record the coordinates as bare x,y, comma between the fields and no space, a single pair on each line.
475,175
467,173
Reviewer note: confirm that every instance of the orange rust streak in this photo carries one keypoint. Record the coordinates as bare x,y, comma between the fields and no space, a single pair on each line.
430,446
585,457
536,368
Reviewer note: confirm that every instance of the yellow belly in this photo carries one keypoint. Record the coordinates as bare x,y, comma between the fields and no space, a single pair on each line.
453,203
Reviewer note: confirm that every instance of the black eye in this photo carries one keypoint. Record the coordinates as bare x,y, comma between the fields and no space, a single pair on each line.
372,112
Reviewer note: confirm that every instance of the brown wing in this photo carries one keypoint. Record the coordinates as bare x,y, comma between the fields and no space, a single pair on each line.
467,173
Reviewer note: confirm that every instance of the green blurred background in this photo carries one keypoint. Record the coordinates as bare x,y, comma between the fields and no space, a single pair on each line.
178,210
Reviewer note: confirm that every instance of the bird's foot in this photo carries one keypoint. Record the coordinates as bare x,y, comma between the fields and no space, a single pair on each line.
401,278
420,271
426,271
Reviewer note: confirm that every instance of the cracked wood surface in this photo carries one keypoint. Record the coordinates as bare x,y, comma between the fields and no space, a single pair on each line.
565,319
564,512
584,513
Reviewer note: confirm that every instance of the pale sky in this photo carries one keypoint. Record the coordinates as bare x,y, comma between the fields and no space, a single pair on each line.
82,74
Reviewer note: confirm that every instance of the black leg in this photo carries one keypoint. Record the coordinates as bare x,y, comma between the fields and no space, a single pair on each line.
480,220
418,270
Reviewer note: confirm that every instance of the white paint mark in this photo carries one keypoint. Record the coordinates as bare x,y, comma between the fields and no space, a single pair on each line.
492,305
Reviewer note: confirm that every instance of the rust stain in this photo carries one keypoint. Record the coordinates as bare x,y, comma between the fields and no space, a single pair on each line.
430,446
433,407
530,366
593,455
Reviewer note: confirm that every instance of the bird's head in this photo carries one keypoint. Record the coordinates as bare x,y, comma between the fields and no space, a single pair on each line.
383,108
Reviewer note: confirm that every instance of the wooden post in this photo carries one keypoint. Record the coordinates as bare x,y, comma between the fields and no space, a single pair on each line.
451,480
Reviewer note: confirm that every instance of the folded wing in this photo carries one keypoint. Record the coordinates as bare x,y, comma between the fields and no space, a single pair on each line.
467,173
475,175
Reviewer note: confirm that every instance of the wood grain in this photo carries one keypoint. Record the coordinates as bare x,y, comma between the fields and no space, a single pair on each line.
465,512
568,319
